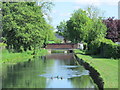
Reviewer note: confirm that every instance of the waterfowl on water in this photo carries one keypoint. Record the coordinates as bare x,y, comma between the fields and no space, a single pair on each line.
61,78
57,77
51,77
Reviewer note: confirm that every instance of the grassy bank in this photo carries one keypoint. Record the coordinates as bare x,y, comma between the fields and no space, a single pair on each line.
108,68
13,58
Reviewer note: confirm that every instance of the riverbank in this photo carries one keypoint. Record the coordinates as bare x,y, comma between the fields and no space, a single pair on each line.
13,58
108,68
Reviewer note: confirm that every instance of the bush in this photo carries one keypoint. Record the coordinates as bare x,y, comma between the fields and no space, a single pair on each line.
104,47
111,50
85,45
94,47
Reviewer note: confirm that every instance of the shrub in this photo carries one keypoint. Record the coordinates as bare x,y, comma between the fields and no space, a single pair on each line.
105,47
85,46
94,47
111,50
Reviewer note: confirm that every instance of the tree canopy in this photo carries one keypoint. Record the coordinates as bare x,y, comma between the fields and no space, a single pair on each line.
113,29
24,25
77,26
83,27
62,29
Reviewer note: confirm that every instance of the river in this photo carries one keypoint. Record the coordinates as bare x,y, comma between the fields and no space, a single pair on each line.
50,71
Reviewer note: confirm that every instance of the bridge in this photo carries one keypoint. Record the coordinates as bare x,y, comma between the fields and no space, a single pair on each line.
61,46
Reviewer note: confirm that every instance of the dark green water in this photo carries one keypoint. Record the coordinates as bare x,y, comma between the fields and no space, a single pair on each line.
51,71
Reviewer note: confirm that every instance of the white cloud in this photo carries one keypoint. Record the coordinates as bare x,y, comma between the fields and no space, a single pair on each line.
97,2
109,2
89,2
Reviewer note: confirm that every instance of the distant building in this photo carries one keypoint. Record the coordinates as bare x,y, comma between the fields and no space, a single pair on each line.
59,37
119,10
117,42
63,40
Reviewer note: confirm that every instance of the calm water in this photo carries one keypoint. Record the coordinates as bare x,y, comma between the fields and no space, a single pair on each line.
51,71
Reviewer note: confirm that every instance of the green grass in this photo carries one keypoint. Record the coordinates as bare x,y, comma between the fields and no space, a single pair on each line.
108,68
13,58
3,44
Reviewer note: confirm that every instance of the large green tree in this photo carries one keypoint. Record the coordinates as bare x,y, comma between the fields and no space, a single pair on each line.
24,25
96,30
78,26
81,27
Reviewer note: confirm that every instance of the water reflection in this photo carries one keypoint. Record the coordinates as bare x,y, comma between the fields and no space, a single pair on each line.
51,71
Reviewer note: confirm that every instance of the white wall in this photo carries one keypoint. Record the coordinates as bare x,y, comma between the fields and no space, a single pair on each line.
117,42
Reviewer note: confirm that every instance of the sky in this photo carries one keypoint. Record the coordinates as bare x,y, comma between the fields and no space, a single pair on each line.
63,9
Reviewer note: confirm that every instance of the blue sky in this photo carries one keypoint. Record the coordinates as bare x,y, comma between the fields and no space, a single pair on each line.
64,8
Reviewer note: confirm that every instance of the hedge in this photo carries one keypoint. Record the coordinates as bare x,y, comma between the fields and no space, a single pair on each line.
104,47
94,47
110,50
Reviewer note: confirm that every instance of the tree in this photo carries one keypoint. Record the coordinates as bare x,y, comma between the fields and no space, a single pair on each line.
94,12
78,26
96,30
83,28
113,31
49,34
46,7
62,30
24,26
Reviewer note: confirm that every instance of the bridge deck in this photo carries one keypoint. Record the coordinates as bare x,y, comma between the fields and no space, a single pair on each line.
63,46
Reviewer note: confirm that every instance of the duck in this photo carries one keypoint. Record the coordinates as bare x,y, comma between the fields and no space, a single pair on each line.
51,77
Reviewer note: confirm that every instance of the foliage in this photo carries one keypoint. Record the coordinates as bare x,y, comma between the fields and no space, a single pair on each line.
94,12
82,28
2,44
110,50
46,7
94,46
97,30
49,35
24,26
104,47
58,40
62,29
113,30
77,26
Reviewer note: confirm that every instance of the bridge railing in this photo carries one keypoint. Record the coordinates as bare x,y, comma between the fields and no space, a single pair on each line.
61,46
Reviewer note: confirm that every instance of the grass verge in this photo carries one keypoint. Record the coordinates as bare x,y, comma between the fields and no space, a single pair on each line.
13,58
108,68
